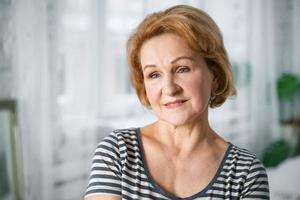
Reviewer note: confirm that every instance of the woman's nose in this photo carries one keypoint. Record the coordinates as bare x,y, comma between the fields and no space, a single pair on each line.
170,87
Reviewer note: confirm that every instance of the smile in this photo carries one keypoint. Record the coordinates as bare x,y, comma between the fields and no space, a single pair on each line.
174,104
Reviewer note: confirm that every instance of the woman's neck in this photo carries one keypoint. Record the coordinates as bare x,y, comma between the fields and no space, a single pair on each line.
184,139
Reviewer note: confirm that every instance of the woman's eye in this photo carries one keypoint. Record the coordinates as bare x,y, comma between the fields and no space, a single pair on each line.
183,69
153,75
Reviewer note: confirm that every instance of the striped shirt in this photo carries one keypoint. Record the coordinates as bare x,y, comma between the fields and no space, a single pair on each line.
119,169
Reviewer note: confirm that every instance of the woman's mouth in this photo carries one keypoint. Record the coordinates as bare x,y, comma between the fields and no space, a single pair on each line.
174,104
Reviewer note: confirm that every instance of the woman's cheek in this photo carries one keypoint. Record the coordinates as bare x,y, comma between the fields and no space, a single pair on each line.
152,91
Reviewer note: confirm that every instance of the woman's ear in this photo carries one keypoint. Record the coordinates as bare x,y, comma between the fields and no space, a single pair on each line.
215,78
215,75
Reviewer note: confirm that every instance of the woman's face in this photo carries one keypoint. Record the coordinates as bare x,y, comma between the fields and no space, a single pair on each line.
177,80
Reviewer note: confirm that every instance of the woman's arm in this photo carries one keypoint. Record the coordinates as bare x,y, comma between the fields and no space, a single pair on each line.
105,177
256,184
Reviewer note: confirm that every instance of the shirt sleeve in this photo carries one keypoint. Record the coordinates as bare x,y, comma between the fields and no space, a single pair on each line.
256,185
105,176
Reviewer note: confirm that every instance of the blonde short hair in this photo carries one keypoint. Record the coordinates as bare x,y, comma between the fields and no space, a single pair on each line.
201,34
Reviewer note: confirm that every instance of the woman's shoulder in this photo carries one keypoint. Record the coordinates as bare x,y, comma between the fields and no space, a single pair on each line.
119,137
126,132
127,135
244,166
241,153
243,158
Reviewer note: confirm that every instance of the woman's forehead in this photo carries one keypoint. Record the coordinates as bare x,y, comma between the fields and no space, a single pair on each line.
166,46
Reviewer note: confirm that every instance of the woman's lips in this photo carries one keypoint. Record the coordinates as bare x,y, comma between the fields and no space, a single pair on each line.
174,104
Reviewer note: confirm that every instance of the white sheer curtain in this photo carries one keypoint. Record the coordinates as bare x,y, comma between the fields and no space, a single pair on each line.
262,96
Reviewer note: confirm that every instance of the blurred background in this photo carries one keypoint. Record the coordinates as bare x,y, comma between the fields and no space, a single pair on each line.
64,85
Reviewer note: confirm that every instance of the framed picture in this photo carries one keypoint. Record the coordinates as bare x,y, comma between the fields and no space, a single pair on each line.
10,153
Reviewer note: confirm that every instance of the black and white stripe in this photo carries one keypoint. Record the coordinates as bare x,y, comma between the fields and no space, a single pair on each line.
119,169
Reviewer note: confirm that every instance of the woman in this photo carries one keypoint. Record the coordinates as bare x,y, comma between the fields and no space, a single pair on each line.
179,67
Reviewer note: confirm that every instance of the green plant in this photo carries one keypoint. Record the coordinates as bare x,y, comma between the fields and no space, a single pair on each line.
288,91
275,153
288,85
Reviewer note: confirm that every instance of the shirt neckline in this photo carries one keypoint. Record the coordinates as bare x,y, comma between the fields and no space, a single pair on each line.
160,190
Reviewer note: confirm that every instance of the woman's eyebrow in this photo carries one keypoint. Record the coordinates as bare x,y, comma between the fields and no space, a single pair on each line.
147,66
182,57
172,62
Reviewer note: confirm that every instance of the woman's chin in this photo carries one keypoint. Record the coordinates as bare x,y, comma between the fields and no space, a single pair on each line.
175,121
